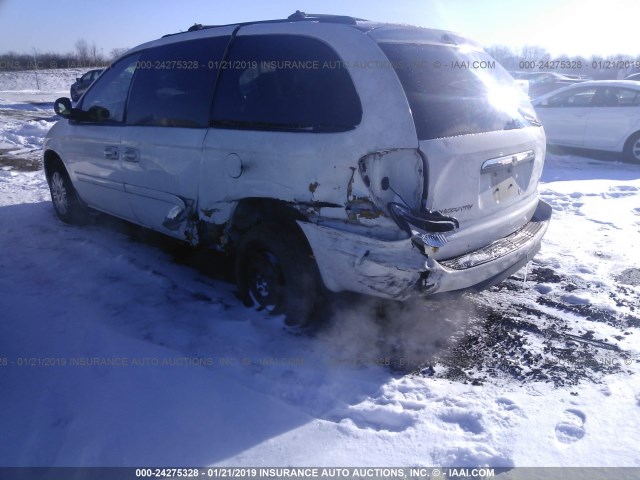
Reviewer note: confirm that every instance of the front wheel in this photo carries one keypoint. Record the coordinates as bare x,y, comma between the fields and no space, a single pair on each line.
276,272
632,148
66,202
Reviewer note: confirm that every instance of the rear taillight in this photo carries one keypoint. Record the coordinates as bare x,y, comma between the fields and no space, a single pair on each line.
396,181
426,226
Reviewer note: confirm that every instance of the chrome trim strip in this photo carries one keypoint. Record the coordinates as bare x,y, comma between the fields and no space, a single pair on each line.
508,160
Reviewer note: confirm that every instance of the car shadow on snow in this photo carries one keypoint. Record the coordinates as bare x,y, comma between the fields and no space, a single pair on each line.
216,379
180,394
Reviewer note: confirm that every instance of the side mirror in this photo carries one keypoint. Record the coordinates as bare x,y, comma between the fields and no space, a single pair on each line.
62,107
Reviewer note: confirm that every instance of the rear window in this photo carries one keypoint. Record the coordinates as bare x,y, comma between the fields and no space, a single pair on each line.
456,92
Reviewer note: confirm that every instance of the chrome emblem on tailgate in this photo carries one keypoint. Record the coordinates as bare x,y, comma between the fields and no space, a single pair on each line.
508,161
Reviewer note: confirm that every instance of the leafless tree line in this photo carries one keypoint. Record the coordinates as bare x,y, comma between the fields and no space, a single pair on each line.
86,55
528,58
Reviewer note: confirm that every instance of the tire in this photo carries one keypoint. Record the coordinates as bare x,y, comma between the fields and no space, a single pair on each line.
632,148
276,272
67,204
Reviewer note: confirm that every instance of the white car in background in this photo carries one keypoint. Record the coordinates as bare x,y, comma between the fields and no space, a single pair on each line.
599,115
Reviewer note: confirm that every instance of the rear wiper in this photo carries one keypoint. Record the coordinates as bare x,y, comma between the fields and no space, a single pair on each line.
530,118
513,124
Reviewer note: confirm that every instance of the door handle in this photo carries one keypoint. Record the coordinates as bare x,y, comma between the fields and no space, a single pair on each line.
111,153
131,155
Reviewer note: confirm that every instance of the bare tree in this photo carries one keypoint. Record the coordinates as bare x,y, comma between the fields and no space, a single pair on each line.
117,53
93,53
35,63
96,54
82,50
534,53
503,54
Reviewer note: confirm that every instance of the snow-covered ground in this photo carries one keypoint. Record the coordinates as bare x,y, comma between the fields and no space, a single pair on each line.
38,85
26,112
120,349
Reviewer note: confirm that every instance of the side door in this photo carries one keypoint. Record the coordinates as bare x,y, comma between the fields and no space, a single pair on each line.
93,154
564,115
614,116
167,120
282,123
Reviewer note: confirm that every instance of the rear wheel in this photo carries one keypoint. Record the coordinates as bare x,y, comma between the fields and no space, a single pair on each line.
276,272
66,202
632,148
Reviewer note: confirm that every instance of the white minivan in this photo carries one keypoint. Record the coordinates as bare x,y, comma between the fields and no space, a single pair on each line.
321,151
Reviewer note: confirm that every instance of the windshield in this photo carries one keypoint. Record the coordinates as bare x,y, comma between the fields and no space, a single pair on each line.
453,91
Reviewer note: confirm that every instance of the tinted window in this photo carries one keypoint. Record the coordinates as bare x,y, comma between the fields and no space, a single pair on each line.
173,86
579,97
110,91
456,92
285,82
617,97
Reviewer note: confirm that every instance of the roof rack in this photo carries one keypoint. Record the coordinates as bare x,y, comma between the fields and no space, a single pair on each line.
298,16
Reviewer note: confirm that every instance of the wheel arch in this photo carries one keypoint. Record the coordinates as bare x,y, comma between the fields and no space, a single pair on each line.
75,211
250,212
51,161
630,138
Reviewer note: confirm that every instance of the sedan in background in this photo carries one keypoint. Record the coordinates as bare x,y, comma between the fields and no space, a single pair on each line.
82,84
599,115
541,83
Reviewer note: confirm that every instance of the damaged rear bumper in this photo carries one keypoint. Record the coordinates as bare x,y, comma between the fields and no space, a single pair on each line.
398,269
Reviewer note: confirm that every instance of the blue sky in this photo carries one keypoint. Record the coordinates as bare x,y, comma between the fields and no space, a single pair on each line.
575,27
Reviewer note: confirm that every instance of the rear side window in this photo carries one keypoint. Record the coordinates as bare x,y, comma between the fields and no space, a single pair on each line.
173,86
574,98
285,82
453,91
618,97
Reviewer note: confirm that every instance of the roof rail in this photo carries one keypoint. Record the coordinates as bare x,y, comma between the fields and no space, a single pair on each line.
299,16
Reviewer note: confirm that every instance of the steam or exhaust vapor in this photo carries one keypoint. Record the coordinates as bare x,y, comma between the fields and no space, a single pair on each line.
404,336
